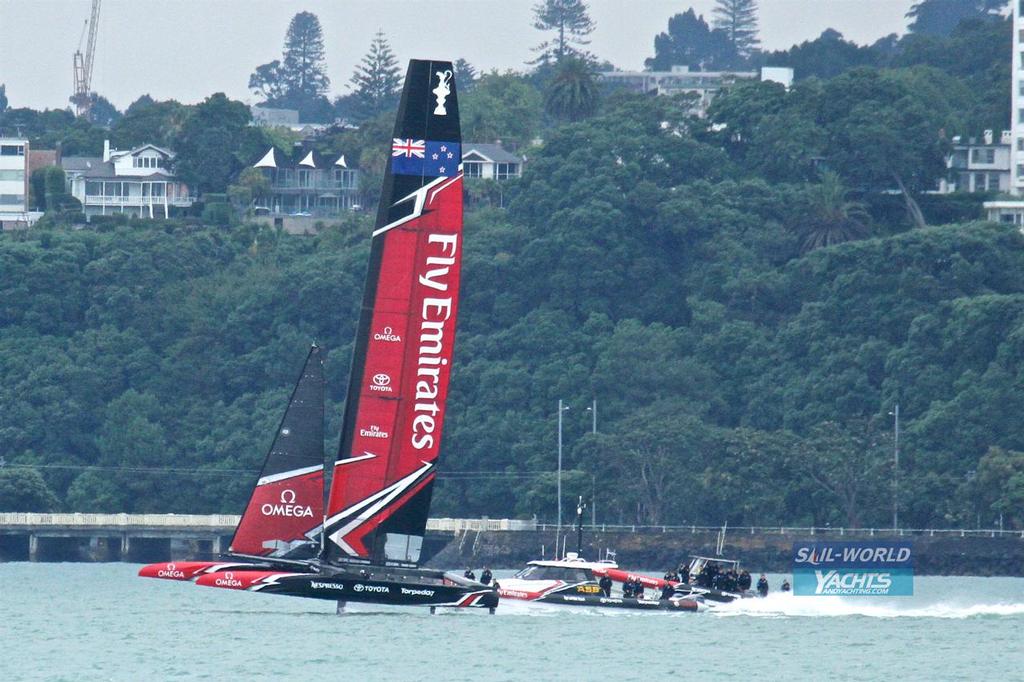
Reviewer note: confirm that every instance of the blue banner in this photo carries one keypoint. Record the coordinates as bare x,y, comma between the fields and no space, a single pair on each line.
425,157
853,568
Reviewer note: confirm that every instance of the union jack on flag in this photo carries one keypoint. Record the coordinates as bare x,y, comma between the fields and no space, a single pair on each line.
408,148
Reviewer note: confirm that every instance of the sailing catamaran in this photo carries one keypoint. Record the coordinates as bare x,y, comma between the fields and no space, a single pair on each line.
383,476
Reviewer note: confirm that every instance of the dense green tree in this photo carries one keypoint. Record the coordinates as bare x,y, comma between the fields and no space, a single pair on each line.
24,490
571,23
465,75
377,82
826,56
940,17
502,107
738,19
572,93
689,41
215,142
102,112
147,121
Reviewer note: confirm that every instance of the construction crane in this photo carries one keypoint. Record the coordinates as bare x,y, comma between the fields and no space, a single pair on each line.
82,99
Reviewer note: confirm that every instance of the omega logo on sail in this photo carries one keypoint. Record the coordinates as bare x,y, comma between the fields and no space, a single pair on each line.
387,334
434,313
287,506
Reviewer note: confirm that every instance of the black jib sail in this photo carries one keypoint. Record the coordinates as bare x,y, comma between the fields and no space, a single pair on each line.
285,510
384,473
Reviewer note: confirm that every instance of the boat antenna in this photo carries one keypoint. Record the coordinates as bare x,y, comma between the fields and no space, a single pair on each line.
580,506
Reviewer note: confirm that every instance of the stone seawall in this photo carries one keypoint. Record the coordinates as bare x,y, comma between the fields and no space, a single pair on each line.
933,555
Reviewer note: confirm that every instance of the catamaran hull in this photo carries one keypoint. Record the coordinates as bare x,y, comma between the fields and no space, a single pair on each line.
353,589
190,570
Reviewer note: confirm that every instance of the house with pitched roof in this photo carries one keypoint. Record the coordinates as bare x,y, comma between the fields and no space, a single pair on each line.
307,183
490,161
137,181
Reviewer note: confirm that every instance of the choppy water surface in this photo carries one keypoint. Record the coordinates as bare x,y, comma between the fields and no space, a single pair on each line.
100,622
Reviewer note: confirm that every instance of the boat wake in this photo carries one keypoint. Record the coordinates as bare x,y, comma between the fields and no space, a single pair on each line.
789,606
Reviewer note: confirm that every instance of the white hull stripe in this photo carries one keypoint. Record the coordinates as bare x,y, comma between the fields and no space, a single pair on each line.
273,478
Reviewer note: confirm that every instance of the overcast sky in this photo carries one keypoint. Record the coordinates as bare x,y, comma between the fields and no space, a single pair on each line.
187,49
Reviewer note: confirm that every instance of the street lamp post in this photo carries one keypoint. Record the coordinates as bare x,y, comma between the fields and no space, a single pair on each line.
593,478
896,467
561,409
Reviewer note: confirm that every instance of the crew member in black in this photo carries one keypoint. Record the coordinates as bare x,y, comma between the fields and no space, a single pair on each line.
762,585
666,591
469,574
606,585
744,580
785,586
486,576
627,588
684,574
671,575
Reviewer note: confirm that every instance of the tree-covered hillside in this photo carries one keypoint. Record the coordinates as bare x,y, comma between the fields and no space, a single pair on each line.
742,373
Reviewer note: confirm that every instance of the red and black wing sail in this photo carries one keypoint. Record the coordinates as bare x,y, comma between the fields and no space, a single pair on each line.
285,510
384,473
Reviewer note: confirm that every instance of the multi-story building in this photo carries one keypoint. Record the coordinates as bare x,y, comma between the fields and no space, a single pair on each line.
490,161
978,164
704,84
137,181
1012,210
14,176
307,184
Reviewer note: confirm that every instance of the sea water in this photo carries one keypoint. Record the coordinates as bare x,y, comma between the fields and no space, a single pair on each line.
101,622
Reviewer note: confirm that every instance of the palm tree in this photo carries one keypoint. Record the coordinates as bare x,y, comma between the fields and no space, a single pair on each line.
572,93
832,218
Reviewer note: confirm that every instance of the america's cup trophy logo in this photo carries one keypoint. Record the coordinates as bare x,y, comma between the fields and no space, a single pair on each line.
442,91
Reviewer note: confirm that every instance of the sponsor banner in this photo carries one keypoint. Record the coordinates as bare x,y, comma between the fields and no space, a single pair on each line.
853,568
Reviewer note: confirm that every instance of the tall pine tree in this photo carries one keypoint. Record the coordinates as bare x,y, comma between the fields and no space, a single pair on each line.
570,19
298,80
738,18
377,80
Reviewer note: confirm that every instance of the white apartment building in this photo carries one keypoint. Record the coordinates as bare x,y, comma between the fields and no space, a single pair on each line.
1012,210
14,176
978,164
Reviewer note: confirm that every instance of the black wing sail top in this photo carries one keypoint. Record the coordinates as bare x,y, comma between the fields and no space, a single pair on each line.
391,435
285,510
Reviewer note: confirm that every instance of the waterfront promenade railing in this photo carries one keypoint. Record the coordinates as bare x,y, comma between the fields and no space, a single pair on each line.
28,521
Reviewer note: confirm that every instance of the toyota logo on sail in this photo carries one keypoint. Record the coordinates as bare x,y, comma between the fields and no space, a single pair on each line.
287,507
381,382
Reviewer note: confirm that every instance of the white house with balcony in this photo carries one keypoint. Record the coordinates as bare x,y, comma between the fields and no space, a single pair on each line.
136,181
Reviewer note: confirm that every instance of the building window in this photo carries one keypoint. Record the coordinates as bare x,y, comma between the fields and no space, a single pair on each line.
989,155
975,155
12,175
507,170
472,169
979,182
93,189
12,200
993,182
12,150
305,178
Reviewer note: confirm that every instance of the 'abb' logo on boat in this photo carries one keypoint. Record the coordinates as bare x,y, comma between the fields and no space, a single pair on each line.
287,507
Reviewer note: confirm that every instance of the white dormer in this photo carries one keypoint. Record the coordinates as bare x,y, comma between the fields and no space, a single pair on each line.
140,162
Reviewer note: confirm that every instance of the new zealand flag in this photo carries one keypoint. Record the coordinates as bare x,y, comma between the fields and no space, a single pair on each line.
425,157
